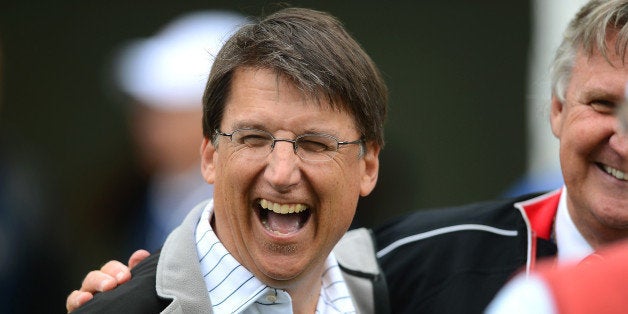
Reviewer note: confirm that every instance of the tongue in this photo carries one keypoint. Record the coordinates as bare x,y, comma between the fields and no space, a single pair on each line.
283,223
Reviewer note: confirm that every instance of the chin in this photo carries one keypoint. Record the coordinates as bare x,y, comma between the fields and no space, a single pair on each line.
613,215
614,220
281,267
280,278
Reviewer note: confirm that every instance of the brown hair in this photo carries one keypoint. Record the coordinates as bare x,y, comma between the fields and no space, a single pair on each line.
312,50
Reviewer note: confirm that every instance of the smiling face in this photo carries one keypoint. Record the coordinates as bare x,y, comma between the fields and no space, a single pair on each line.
593,151
284,249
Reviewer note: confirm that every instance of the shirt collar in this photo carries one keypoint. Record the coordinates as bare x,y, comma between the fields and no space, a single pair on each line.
234,289
571,244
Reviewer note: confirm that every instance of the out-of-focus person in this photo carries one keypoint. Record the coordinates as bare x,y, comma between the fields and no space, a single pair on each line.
598,284
162,79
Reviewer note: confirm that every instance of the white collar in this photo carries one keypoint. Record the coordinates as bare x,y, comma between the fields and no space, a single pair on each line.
234,289
571,244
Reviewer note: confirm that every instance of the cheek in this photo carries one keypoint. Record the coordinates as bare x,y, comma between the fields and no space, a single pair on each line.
223,177
338,178
228,174
583,133
338,190
235,176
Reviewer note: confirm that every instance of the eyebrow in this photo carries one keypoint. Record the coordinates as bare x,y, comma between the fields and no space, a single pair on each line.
601,93
248,124
319,131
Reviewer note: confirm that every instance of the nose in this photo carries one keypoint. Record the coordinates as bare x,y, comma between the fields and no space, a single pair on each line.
282,170
619,140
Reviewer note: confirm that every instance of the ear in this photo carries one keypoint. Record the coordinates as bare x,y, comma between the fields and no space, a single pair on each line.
556,115
208,169
371,168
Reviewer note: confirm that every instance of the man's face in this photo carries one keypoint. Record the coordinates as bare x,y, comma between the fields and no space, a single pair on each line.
284,249
593,152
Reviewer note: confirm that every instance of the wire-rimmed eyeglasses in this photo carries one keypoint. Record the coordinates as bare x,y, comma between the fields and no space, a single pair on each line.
310,147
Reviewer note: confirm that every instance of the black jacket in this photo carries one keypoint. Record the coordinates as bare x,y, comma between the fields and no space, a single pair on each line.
454,260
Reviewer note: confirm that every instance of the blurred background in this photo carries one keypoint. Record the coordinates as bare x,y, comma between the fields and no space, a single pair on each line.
463,101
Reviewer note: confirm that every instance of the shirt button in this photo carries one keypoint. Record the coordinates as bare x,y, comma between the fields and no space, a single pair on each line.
271,298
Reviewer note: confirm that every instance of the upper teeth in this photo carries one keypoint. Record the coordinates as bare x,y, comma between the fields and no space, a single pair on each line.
616,173
282,208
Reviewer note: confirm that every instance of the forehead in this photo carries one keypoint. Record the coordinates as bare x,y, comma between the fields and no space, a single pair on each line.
593,73
263,96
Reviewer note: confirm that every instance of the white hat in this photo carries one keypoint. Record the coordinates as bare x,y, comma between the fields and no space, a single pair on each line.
169,70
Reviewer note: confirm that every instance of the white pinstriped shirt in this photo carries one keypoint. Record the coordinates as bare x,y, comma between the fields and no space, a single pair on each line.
234,289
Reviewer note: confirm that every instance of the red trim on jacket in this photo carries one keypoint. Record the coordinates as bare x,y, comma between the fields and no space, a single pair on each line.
540,213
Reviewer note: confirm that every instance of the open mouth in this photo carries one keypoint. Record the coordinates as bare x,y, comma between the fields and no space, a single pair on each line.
618,174
282,219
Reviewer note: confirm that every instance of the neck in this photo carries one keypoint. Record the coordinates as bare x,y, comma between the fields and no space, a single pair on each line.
306,292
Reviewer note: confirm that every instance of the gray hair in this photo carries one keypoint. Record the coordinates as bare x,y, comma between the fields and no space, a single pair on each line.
588,31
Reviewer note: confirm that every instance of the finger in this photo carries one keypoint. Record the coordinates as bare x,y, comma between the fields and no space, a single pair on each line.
117,270
98,281
137,257
76,299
